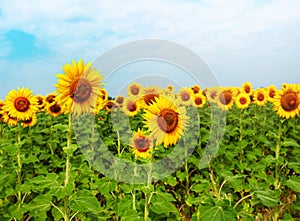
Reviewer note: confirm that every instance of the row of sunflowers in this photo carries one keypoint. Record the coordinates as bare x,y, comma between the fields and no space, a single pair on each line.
49,173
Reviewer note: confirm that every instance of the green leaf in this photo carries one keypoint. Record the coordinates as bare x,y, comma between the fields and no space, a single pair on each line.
84,201
289,142
217,213
163,207
268,198
294,184
41,203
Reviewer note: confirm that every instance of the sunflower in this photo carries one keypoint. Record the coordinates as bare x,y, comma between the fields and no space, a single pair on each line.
260,96
134,89
11,121
102,94
141,144
20,104
185,96
30,122
247,88
211,94
242,100
131,106
272,90
40,103
119,100
49,98
225,98
109,105
199,100
78,87
148,95
195,89
54,109
166,120
287,101
1,110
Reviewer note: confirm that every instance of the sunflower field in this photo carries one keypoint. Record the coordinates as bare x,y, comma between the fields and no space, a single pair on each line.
215,154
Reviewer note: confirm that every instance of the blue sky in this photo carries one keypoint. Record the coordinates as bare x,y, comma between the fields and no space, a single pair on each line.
240,40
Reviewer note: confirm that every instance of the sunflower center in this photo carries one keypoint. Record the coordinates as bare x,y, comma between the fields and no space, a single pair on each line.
198,101
55,108
185,96
150,98
289,101
167,120
50,98
22,104
247,89
135,90
141,144
131,106
260,97
196,89
243,100
226,97
120,100
272,93
81,90
213,94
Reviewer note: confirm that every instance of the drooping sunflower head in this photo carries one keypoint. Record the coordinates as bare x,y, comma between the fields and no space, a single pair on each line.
247,88
272,90
20,104
166,119
131,106
142,144
49,99
287,101
9,120
199,100
242,100
185,96
148,95
30,122
40,102
102,94
78,87
260,96
225,98
134,89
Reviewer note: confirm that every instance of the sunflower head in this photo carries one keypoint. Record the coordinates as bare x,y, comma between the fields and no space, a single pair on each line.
77,87
242,100
40,102
166,119
49,99
185,96
148,96
134,89
55,109
260,96
141,144
30,122
225,98
272,90
199,100
247,88
211,94
9,120
196,89
20,104
131,106
287,101
119,100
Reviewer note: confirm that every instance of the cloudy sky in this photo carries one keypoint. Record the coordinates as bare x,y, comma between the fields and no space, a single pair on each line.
240,40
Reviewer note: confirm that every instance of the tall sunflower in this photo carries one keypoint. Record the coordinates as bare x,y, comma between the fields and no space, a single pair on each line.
142,144
287,101
225,97
260,96
242,100
199,100
78,87
166,120
20,104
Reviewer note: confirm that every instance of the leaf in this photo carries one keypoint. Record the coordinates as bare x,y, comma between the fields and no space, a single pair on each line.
217,213
84,201
268,198
41,203
289,143
163,207
294,184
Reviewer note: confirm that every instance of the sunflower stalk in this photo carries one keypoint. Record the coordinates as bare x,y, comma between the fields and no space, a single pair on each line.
19,169
148,195
277,154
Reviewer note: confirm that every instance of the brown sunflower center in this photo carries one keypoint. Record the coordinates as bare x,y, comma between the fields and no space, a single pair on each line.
247,89
134,90
40,101
260,96
141,144
185,96
22,104
120,100
55,108
196,89
198,100
167,120
226,97
243,100
213,94
81,90
150,98
272,93
289,101
131,106
50,98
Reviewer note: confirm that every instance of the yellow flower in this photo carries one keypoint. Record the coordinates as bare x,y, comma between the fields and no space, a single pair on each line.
247,88
185,96
119,100
78,87
30,122
199,100
287,101
131,106
141,144
272,90
260,96
195,89
49,98
20,104
40,103
166,120
242,100
225,97
11,121
134,89
55,109
211,94
148,95
1,111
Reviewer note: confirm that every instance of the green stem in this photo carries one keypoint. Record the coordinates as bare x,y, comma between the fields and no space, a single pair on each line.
19,170
199,137
148,195
187,179
240,139
51,137
277,154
